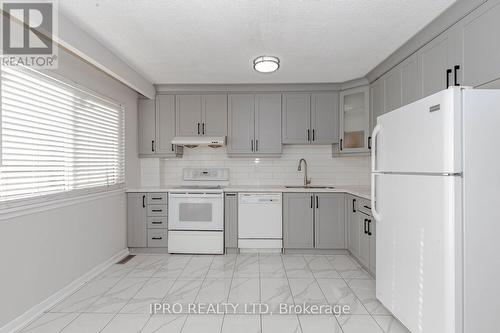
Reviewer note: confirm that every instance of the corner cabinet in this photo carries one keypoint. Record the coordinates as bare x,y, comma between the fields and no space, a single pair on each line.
355,120
313,220
310,118
254,125
156,120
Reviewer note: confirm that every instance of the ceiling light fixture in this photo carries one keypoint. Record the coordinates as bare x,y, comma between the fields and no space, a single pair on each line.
266,64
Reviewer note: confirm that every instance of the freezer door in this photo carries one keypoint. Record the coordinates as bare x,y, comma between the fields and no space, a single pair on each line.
422,137
415,249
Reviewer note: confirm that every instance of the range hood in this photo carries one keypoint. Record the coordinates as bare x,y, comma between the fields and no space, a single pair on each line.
195,141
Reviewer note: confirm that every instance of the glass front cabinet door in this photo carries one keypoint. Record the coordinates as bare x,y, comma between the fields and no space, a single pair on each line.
355,120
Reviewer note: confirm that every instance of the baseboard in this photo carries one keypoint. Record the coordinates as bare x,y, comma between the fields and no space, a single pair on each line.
52,300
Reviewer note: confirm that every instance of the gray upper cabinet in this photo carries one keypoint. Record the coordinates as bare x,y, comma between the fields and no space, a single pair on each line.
146,122
254,124
231,220
296,127
268,124
437,61
241,119
165,125
481,45
310,118
136,220
355,120
214,115
188,115
201,115
377,106
411,80
329,221
298,219
392,89
156,121
325,118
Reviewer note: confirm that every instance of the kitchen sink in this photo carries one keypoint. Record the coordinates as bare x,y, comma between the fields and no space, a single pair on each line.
310,186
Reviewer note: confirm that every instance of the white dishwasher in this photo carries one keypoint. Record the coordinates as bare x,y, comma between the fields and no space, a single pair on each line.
260,221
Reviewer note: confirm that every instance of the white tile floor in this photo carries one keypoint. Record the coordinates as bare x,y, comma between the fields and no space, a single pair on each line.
119,299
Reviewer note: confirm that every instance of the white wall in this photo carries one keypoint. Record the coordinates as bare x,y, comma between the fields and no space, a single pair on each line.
44,251
322,168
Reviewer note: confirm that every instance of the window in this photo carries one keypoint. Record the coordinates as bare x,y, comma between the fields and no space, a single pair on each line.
56,139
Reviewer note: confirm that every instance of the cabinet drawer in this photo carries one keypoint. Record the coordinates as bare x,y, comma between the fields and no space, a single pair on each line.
157,238
362,205
157,210
157,222
157,198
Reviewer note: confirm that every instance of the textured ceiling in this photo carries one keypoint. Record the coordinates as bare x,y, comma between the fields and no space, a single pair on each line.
215,41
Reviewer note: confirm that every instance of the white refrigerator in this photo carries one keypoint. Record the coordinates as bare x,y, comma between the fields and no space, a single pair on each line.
436,202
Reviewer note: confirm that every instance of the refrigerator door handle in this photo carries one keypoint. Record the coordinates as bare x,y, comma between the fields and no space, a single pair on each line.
375,134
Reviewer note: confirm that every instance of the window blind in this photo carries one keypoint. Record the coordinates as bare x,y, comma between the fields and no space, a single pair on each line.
57,139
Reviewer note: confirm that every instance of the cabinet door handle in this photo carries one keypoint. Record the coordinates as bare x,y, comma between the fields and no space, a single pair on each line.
365,226
203,128
369,232
317,202
230,194
448,72
156,198
455,74
256,145
198,128
157,238
155,222
353,205
251,144
143,201
157,210
312,200
153,145
341,144
308,135
314,135
172,147
369,142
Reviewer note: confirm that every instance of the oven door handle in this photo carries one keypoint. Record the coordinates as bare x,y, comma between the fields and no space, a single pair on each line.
195,195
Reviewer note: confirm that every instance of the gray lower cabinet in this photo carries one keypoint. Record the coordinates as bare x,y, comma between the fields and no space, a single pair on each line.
254,125
361,232
298,220
313,220
329,217
231,220
310,118
147,220
136,220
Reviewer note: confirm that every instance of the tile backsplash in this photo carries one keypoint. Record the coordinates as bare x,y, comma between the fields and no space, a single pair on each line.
322,168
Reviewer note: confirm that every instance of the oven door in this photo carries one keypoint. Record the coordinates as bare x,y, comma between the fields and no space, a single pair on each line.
195,211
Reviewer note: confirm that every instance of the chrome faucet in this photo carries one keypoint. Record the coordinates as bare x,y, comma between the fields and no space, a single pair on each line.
306,181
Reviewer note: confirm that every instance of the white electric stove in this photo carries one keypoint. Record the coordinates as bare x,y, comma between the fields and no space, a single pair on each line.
196,212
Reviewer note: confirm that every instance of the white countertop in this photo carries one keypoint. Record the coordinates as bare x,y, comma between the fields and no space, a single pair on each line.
360,191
